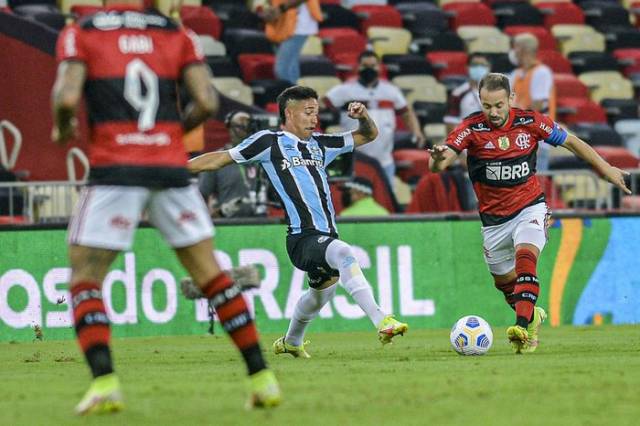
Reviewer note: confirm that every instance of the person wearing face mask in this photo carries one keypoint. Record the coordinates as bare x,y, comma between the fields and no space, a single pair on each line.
464,99
384,101
532,84
237,190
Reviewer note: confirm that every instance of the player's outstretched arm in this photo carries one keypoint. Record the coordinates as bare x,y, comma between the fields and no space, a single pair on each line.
65,97
609,173
367,130
205,101
441,157
209,161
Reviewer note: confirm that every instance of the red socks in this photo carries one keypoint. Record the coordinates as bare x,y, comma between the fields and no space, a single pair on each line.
92,326
527,288
507,289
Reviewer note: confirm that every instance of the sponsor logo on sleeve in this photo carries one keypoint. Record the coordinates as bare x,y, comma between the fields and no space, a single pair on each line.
547,129
463,134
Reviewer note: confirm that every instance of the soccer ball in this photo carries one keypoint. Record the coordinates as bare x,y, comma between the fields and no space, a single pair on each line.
471,335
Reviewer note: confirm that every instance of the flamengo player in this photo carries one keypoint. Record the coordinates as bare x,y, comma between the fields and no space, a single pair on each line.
128,62
501,144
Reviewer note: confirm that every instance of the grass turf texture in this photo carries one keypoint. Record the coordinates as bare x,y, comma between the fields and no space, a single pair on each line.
578,376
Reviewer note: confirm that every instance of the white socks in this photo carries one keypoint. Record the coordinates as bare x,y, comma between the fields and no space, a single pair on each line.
340,256
307,308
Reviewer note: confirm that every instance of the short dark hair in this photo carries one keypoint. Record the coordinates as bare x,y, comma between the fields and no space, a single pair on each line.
368,54
293,93
495,81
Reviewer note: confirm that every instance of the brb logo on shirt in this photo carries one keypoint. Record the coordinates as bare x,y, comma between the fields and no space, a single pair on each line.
512,172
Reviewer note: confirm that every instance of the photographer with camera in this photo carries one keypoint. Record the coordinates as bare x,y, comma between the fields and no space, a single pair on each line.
237,190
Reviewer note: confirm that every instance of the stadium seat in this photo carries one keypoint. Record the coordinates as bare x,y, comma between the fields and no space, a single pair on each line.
82,10
621,38
469,14
577,110
435,133
254,66
266,91
516,13
618,156
553,197
389,41
602,14
578,38
430,112
406,65
453,81
338,16
569,86
237,17
620,109
411,164
316,65
66,6
580,190
500,62
484,39
592,61
240,40
554,60
342,42
234,88
377,16
423,18
45,14
630,132
201,20
421,88
448,63
222,66
370,168
607,84
629,59
312,47
597,134
447,41
321,84
560,13
211,46
546,41
435,193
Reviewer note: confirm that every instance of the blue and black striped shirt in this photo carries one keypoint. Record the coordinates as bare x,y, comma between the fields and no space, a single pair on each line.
296,169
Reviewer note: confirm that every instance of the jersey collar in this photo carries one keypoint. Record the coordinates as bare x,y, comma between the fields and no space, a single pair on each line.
295,138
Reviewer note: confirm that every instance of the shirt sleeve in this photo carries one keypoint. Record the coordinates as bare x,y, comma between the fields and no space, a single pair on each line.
541,84
69,46
549,131
337,96
255,149
460,138
191,49
335,144
399,101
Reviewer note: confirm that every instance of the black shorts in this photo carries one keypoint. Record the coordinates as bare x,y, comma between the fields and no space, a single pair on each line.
307,253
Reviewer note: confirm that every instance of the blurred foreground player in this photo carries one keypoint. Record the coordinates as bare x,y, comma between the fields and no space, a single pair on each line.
501,143
295,159
128,62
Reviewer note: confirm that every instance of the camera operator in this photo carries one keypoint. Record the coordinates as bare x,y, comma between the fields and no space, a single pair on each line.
237,190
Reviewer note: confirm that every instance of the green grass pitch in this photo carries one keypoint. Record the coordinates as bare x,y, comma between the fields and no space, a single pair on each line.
579,376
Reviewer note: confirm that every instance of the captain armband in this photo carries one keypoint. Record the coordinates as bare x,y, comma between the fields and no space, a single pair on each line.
557,137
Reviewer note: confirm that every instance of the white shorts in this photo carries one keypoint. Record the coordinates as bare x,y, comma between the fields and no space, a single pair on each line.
528,227
107,216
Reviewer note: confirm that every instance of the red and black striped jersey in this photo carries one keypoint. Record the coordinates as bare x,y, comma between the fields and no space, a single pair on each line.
134,60
502,161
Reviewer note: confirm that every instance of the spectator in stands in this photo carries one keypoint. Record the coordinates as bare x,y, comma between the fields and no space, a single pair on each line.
384,101
358,199
289,23
532,84
464,99
237,190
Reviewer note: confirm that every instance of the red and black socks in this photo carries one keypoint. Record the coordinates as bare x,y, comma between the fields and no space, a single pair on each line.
92,326
507,289
233,313
527,288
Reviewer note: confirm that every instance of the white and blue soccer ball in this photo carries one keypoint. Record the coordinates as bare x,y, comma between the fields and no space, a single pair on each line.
471,335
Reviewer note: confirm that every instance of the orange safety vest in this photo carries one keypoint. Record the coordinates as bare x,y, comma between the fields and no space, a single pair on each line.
284,27
522,90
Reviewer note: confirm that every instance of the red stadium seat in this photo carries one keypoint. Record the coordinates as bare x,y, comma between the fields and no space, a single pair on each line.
560,13
341,43
630,59
216,135
448,63
431,195
545,38
551,192
370,168
469,14
411,164
256,66
634,10
569,86
578,110
201,20
618,156
81,10
554,60
377,16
